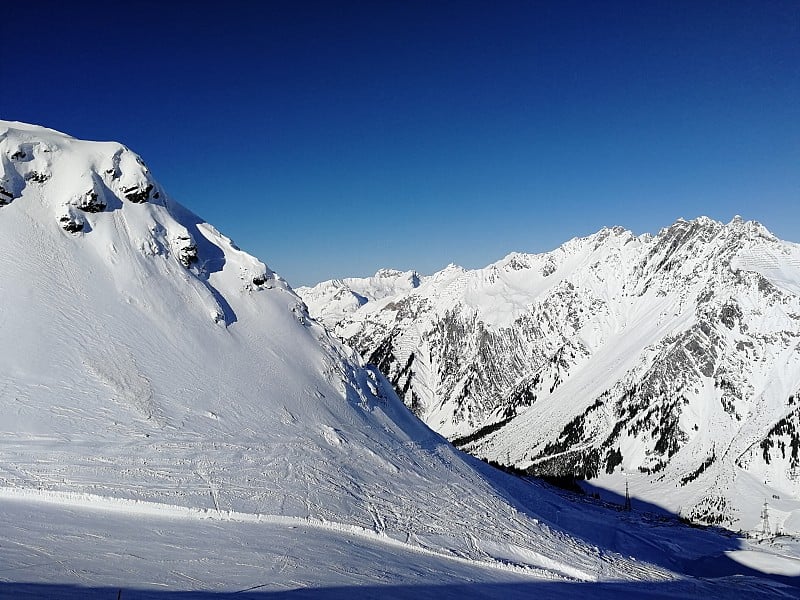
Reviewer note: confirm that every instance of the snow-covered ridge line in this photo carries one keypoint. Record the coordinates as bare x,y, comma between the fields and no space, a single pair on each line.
612,357
155,361
171,511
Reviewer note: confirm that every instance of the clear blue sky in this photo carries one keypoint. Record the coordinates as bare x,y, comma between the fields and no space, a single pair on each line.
333,138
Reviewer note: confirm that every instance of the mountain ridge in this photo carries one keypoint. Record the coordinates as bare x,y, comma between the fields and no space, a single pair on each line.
612,353
161,388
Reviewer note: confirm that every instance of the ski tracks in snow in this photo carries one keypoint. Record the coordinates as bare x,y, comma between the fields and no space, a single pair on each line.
153,509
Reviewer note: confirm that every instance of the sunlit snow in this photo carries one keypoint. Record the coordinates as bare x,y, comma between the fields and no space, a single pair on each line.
173,420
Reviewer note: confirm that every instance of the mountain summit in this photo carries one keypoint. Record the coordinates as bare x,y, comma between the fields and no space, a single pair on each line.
671,362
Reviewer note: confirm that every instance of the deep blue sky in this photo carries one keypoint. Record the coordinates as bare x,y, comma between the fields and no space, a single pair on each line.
333,138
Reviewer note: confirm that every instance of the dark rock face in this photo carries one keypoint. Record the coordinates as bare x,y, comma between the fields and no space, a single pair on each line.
5,196
399,375
36,176
11,183
187,251
91,202
783,440
71,224
264,280
138,195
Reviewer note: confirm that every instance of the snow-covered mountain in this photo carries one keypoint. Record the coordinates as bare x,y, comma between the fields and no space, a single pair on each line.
669,361
333,300
148,358
172,419
147,361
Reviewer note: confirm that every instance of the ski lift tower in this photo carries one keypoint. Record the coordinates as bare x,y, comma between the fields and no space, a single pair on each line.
628,506
765,529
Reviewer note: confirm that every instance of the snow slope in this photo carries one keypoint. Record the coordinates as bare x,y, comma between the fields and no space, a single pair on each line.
170,408
80,546
669,361
138,373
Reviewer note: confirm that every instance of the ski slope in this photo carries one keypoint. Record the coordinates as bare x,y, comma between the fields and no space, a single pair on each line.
83,546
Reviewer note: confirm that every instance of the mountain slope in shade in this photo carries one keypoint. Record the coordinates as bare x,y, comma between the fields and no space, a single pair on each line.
671,362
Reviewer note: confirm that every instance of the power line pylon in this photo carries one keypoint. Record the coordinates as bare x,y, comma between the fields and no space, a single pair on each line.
628,506
765,529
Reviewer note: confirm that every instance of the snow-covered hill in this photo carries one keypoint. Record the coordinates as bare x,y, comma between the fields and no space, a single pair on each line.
669,361
148,358
173,419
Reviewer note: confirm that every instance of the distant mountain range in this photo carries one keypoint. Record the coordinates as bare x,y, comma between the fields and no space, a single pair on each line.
670,362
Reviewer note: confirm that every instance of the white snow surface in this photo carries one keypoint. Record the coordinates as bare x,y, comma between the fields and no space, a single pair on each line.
174,420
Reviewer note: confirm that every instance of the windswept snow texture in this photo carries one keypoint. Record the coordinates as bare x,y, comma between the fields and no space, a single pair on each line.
174,420
669,361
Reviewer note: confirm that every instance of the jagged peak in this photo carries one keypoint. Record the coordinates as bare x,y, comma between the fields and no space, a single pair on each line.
451,268
386,273
681,225
737,223
102,194
515,261
616,233
750,228
614,230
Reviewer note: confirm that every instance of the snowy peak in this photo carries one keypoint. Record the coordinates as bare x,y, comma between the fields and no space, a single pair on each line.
613,353
154,363
103,196
332,300
88,175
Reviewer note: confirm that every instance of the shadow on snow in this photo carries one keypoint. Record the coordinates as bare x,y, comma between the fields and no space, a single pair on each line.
647,533
507,591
